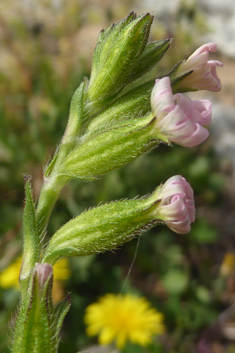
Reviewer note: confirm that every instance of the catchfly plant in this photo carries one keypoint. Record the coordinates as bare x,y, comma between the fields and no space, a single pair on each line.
110,123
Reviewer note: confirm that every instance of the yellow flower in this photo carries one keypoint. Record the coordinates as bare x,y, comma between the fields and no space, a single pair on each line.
122,318
228,265
9,277
61,270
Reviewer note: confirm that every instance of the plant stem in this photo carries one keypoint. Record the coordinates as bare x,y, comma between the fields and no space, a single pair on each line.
50,192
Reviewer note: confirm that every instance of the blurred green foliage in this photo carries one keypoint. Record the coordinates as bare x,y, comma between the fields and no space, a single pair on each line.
46,50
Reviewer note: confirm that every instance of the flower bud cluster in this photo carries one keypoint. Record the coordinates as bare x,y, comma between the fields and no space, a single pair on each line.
107,129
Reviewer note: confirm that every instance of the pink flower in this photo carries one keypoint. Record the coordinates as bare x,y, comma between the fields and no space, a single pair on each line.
178,117
204,74
176,206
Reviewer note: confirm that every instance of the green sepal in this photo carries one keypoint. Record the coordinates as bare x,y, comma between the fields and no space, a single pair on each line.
38,322
60,312
117,56
106,37
77,113
102,228
31,241
149,58
48,169
111,149
133,104
177,79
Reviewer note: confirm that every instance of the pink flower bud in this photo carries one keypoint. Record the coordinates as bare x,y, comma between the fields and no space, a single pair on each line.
178,117
176,206
44,272
204,74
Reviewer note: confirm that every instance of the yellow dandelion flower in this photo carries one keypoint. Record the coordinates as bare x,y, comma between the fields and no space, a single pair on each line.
58,291
61,270
123,318
9,277
228,265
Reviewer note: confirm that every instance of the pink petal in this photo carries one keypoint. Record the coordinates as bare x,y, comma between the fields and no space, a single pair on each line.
176,209
214,63
161,97
185,103
199,136
181,227
204,74
204,107
177,204
43,271
208,47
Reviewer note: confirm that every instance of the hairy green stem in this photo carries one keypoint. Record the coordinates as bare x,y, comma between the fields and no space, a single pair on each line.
49,195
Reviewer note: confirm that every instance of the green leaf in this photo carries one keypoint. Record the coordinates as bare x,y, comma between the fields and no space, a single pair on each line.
30,237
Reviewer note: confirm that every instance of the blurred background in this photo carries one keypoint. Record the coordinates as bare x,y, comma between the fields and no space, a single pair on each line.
46,49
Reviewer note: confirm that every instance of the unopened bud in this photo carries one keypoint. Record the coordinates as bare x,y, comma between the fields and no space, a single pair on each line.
43,272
